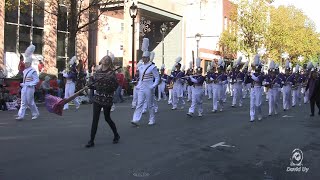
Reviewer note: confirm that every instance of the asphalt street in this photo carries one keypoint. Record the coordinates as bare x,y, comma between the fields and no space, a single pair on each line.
221,146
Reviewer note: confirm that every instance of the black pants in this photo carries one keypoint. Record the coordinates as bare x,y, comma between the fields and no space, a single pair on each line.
3,105
96,115
312,104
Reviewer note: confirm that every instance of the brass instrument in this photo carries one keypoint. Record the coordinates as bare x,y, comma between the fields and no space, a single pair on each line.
170,85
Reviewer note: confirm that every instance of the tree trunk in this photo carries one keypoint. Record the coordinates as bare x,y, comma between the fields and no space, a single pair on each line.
73,25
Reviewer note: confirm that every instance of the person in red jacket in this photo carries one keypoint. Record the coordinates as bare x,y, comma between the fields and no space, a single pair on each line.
40,66
21,65
120,78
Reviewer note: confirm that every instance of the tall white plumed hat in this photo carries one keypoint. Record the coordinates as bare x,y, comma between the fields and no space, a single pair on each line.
257,61
28,53
72,60
152,55
178,60
163,66
310,66
237,62
190,65
221,63
272,65
245,66
296,69
145,47
198,64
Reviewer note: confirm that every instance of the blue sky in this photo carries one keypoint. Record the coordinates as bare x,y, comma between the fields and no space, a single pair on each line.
309,7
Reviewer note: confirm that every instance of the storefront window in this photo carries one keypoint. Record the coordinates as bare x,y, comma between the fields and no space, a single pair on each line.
38,14
62,18
25,13
11,14
61,44
37,40
9,42
24,38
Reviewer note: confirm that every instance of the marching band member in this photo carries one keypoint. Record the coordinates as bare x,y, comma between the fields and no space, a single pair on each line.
229,85
287,81
273,83
170,86
154,99
162,85
71,77
208,82
256,90
296,87
219,80
148,80
30,80
177,85
135,81
304,82
189,88
237,78
246,83
197,90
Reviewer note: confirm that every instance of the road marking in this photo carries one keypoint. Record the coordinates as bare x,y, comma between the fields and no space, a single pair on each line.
3,123
17,137
223,144
286,116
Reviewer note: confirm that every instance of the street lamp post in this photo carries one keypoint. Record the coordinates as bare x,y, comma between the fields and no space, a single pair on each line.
197,37
163,30
133,13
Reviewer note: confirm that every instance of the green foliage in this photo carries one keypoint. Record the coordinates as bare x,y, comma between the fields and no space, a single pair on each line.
293,32
251,17
282,29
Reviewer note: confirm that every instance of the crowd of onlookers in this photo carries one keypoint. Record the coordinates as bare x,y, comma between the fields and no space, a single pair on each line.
53,85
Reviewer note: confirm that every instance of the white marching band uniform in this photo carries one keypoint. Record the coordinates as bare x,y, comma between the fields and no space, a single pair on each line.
177,96
219,81
296,88
237,80
70,83
256,91
209,88
148,81
30,80
162,85
273,82
286,90
197,90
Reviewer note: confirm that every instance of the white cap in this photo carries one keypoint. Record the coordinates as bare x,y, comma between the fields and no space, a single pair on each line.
163,66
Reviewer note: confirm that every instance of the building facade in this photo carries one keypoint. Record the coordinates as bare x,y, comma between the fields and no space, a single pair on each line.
46,26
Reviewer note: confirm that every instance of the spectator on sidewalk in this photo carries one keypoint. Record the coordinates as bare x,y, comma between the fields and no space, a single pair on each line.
40,66
118,93
3,98
21,65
